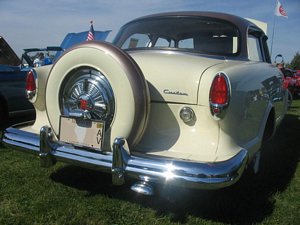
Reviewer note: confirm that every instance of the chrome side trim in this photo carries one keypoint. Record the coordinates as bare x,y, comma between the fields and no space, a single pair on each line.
122,164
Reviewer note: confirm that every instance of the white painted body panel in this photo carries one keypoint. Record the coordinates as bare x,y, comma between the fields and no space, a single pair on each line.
207,139
173,72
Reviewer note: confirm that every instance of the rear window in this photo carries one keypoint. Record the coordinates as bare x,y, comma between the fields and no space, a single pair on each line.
203,35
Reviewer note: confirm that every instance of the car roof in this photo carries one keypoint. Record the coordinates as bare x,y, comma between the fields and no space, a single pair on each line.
238,21
242,24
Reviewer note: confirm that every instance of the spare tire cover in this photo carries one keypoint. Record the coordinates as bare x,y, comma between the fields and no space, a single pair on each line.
128,85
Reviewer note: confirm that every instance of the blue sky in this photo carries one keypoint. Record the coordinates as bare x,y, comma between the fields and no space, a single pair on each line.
32,23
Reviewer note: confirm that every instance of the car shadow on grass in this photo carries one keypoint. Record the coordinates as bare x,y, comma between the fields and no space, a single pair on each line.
248,201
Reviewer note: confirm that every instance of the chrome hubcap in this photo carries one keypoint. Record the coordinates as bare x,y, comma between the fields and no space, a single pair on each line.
87,93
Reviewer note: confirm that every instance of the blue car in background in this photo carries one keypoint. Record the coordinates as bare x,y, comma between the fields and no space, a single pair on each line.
52,53
13,71
12,84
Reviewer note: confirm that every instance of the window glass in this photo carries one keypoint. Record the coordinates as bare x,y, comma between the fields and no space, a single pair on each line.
137,41
186,43
162,42
200,34
254,50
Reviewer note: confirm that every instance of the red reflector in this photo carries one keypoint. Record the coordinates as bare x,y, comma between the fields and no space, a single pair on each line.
219,90
30,82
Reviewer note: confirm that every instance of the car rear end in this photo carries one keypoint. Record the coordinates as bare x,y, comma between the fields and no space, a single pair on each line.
185,74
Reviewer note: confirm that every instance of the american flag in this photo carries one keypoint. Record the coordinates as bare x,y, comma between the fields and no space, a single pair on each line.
91,34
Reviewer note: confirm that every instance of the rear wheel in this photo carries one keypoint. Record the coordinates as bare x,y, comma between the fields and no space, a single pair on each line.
99,81
268,134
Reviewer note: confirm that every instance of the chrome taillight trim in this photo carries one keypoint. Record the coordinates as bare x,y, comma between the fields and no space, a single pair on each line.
218,111
32,95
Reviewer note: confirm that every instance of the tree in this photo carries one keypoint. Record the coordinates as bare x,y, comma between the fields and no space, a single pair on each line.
295,64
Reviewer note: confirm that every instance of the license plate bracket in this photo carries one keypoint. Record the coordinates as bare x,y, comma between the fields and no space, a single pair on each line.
82,132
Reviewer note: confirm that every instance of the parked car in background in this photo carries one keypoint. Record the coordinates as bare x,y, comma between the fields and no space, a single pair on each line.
34,57
72,39
51,53
291,81
184,99
12,84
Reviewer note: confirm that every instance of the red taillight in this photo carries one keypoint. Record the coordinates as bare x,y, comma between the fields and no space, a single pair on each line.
219,91
30,82
31,86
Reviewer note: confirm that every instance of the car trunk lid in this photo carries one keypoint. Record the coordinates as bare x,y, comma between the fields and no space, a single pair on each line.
7,55
173,77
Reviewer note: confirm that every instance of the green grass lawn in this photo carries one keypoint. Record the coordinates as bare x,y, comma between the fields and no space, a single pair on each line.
66,194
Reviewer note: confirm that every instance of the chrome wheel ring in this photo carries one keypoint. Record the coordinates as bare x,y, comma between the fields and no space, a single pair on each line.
87,93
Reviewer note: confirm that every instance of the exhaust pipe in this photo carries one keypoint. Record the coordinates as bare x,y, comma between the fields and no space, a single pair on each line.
143,188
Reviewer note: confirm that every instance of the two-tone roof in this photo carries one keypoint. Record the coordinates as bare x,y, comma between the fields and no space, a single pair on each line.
242,24
238,21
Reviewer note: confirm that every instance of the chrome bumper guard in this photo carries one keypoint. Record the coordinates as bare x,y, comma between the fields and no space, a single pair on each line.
121,164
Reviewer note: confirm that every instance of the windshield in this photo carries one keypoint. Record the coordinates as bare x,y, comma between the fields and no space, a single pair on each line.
199,34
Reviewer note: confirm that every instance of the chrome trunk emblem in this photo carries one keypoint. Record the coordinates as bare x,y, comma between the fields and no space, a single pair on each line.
169,92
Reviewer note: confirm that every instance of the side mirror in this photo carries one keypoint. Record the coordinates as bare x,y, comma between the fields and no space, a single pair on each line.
279,59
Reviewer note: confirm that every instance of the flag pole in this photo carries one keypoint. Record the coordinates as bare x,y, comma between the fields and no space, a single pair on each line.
279,11
273,31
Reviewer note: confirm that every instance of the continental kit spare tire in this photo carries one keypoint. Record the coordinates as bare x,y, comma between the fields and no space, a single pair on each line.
104,82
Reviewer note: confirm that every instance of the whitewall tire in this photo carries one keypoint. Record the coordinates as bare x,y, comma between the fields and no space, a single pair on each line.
125,89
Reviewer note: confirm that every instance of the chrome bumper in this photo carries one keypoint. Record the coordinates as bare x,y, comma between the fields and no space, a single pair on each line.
121,164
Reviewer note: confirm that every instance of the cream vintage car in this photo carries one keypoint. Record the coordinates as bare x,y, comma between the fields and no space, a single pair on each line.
183,99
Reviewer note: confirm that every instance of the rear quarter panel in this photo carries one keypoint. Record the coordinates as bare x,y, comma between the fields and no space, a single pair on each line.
39,103
255,88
